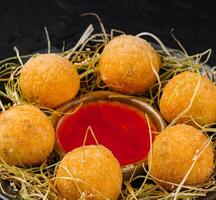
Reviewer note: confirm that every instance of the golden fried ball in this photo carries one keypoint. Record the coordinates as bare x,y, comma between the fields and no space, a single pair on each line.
49,80
178,93
126,64
172,154
91,171
26,136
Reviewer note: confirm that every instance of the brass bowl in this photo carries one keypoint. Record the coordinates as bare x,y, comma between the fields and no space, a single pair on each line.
136,102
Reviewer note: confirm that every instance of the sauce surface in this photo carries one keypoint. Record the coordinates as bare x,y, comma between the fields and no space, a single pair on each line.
121,128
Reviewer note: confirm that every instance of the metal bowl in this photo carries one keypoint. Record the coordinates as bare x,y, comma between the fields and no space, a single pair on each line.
136,102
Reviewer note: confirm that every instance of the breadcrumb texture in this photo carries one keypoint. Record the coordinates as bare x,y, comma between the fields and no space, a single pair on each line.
126,64
173,152
91,171
178,93
49,80
26,134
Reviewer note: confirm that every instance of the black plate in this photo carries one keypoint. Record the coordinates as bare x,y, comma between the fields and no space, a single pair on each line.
13,194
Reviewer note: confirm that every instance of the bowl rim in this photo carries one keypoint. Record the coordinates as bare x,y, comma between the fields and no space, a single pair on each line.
133,101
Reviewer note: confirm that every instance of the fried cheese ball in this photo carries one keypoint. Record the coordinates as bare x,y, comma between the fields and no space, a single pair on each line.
49,80
90,171
126,64
26,136
177,96
173,152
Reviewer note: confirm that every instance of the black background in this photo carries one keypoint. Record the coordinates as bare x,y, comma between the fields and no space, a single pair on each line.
22,22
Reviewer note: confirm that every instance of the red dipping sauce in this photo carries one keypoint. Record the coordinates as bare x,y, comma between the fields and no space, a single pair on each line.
121,128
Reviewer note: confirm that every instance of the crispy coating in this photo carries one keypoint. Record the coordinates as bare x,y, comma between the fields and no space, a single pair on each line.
49,80
91,170
126,64
173,152
178,93
26,136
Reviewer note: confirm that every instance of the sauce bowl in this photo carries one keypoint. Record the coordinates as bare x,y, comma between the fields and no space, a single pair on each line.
72,108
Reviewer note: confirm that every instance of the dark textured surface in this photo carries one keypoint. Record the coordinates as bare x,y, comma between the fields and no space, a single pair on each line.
22,22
